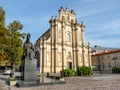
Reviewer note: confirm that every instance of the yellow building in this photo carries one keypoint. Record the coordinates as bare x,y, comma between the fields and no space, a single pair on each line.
62,45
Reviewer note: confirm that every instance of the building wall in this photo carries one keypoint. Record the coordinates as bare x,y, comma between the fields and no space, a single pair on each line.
106,61
62,45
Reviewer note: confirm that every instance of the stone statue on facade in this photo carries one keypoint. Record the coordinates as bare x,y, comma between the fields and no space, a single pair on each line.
28,49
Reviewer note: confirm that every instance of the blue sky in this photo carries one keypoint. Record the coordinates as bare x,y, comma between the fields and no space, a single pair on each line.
101,17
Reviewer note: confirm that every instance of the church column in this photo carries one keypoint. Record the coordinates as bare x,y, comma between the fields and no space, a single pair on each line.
89,54
83,47
76,44
63,44
55,45
73,44
41,55
55,58
52,59
42,58
52,41
74,59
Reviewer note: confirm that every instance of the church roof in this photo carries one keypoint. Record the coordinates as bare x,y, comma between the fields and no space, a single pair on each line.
101,49
106,52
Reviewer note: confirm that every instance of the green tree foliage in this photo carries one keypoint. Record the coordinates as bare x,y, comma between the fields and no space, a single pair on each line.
116,70
2,17
10,41
3,30
15,42
3,41
3,37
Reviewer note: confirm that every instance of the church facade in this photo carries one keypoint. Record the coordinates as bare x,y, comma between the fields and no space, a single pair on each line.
62,45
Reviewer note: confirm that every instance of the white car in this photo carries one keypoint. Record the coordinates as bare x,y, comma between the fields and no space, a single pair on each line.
7,71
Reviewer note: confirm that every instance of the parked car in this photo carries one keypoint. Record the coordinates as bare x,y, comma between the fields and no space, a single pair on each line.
7,71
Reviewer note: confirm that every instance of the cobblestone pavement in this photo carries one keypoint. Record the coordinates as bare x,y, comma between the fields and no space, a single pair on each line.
96,82
103,82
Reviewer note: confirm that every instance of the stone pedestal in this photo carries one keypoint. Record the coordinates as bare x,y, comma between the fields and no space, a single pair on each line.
29,70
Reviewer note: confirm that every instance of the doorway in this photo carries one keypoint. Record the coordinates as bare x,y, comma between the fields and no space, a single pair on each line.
69,65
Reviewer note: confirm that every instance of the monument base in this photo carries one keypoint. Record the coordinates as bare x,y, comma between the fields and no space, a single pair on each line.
39,82
29,70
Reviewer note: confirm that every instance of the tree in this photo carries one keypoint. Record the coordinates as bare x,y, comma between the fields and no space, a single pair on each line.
3,43
15,45
2,17
3,37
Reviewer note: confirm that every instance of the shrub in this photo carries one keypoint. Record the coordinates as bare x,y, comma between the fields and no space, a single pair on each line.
67,72
12,79
84,70
116,70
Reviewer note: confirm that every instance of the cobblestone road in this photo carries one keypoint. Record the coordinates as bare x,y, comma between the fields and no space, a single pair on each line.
97,82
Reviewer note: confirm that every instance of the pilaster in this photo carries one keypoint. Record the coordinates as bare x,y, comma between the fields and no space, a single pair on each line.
63,43
83,47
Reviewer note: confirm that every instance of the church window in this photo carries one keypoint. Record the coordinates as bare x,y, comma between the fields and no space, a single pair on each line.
69,54
109,64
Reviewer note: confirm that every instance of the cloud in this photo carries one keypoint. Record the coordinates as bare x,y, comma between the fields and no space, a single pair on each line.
104,42
105,33
87,12
112,25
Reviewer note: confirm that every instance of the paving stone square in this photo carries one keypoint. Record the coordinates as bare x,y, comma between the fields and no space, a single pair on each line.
95,82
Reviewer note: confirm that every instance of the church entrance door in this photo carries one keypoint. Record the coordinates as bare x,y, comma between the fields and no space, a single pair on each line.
69,65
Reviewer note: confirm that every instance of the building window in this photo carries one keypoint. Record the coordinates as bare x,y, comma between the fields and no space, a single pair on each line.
109,64
68,37
114,58
69,54
102,57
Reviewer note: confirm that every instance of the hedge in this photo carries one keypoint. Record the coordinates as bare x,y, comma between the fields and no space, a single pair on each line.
116,70
67,72
84,71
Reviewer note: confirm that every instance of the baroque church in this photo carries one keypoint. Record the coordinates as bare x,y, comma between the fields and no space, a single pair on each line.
63,45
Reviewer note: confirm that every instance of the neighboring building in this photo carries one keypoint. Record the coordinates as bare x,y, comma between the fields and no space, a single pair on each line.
106,60
62,45
98,48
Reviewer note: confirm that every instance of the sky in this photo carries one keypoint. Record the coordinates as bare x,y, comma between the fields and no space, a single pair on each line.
101,17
